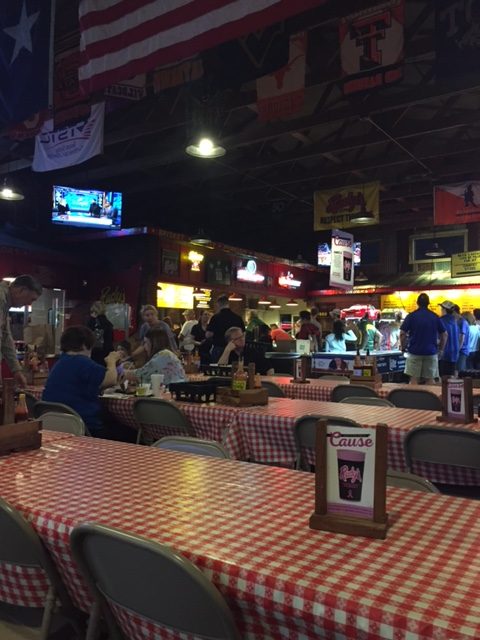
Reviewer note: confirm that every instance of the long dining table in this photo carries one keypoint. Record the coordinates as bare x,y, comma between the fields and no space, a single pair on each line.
246,527
266,433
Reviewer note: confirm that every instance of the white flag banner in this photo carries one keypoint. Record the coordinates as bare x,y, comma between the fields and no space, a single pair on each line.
55,149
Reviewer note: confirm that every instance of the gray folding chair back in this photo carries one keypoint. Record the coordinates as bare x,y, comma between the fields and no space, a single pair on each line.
305,429
161,413
150,580
274,391
64,422
192,445
31,401
374,402
347,390
415,399
21,547
452,446
406,480
41,406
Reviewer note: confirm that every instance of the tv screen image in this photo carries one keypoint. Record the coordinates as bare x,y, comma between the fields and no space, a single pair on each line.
87,207
324,258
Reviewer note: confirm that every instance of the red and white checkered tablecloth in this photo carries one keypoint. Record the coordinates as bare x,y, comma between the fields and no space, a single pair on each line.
246,527
266,434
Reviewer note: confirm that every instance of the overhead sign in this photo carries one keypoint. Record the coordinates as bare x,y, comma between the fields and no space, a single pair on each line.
289,282
465,264
249,273
456,203
335,208
341,266
174,296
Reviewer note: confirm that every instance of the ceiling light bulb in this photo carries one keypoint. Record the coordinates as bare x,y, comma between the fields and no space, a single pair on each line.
7,192
205,146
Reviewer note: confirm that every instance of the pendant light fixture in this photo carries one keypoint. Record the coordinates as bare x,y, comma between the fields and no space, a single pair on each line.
9,192
361,277
292,303
274,305
234,297
205,116
362,217
435,251
205,147
264,301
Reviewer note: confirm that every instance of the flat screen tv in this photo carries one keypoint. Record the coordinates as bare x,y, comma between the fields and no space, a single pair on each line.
87,208
325,254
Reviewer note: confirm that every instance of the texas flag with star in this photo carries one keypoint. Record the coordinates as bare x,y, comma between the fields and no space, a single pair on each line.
25,55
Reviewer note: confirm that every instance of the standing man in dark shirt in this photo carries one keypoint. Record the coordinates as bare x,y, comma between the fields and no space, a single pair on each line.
223,319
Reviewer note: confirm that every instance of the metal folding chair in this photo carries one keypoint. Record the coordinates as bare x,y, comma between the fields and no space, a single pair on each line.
305,429
192,445
131,575
22,551
374,402
415,399
160,413
347,390
42,406
274,391
65,422
410,481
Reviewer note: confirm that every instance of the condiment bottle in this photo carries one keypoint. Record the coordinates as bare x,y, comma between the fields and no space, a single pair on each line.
21,410
358,360
240,378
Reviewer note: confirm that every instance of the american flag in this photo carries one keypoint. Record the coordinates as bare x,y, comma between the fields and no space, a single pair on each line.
122,38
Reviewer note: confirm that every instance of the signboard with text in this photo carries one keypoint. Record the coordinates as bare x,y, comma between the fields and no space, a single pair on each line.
465,264
335,207
341,266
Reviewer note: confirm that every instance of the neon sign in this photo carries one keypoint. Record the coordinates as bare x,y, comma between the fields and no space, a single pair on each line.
195,258
289,281
249,273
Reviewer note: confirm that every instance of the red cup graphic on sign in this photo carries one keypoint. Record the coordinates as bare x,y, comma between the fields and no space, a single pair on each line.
347,266
456,401
350,474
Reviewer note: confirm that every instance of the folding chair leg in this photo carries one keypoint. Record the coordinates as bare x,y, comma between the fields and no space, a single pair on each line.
139,436
50,603
93,622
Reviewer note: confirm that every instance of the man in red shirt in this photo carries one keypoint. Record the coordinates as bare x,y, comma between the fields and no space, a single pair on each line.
279,334
308,329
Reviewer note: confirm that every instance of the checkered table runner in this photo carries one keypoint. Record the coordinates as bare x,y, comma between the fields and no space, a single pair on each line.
246,527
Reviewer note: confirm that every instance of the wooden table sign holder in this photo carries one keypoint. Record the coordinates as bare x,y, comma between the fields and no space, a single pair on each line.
325,516
16,436
300,366
457,400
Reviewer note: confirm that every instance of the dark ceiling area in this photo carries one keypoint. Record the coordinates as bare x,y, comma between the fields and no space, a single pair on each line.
422,131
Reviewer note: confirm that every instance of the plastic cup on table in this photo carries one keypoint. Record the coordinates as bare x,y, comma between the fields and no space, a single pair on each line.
156,382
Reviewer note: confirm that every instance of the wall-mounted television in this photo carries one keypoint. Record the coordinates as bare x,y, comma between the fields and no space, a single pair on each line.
325,254
87,207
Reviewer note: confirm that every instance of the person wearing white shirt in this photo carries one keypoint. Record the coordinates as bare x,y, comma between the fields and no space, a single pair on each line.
187,341
335,341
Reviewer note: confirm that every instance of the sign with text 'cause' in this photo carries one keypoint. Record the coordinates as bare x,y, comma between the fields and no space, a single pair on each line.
341,266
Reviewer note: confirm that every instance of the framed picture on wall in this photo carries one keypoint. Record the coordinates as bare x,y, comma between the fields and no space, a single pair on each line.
218,271
170,262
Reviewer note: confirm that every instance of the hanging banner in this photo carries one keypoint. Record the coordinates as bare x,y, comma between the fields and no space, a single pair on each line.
371,47
341,267
133,89
456,203
281,94
457,40
69,104
55,149
334,208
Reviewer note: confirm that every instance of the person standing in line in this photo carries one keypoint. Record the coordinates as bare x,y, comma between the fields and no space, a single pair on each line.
221,321
448,356
22,292
201,342
464,331
185,338
476,356
419,333
103,331
473,338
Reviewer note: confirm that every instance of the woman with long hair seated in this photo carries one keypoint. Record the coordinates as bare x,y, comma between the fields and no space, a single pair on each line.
335,342
160,360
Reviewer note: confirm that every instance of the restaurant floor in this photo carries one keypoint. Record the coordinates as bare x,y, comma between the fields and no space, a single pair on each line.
9,615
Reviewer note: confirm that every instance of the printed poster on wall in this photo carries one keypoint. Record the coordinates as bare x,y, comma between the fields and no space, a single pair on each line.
456,203
371,47
350,471
335,207
341,267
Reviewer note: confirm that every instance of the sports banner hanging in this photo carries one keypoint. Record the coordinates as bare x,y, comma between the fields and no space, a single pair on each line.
456,203
457,41
58,148
335,208
341,267
371,46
